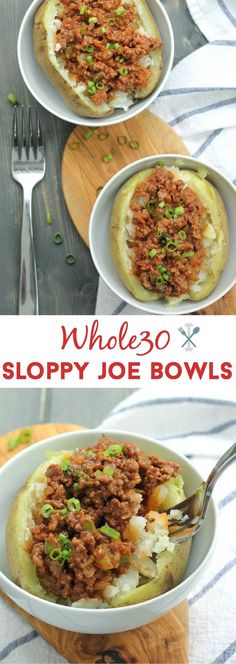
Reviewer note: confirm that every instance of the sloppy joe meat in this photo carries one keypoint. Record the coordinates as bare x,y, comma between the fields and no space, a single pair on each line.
80,546
101,46
167,243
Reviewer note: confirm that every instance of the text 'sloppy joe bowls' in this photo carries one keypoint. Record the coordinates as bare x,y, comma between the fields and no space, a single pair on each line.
110,252
108,620
47,95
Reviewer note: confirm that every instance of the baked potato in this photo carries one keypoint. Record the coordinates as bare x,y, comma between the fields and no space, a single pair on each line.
98,58
169,235
85,528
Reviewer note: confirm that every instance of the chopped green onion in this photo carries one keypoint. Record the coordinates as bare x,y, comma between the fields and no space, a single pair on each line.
152,252
169,213
116,46
24,437
188,254
89,525
123,71
111,20
12,443
151,205
76,486
74,145
122,140
97,473
90,48
182,235
107,157
88,134
55,553
89,58
103,135
89,453
161,204
121,59
113,450
82,9
70,259
46,510
103,30
109,532
100,85
81,473
160,163
93,19
64,511
12,99
172,245
159,281
108,470
179,211
48,546
134,145
63,540
65,464
120,11
49,218
108,45
73,505
91,88
181,199
58,238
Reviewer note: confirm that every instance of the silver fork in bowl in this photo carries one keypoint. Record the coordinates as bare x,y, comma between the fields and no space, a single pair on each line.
187,517
28,168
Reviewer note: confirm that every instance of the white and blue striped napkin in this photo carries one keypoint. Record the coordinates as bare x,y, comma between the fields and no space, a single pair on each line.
199,102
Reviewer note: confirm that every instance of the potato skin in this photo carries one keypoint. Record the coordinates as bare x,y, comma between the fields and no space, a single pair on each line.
78,102
171,566
119,230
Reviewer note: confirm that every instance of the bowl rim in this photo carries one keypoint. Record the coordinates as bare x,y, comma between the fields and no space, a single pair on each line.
128,298
116,610
110,119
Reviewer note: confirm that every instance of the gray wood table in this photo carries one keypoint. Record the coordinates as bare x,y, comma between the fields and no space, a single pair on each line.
63,289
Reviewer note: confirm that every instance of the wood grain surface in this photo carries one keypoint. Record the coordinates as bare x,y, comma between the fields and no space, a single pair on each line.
63,289
164,641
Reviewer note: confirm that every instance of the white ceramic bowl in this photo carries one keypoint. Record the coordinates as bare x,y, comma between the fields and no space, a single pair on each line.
47,95
100,621
99,228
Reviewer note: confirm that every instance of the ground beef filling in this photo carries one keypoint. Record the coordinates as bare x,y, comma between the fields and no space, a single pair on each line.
168,230
101,47
78,546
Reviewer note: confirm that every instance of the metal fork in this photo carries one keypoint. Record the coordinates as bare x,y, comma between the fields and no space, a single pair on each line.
28,168
192,511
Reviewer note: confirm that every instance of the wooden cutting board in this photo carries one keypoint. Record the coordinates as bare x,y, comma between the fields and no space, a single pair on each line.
164,641
83,170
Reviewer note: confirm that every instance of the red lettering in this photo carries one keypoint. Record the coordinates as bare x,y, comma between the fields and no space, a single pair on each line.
172,366
8,371
66,367
195,368
31,367
158,338
19,376
118,367
156,370
212,376
81,368
133,370
52,367
226,369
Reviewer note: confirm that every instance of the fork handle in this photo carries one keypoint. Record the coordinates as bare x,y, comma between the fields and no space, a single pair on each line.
28,293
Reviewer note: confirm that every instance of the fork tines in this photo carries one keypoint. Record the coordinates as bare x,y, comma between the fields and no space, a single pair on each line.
28,139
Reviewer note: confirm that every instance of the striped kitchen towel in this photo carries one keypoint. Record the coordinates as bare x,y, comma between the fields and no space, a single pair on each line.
199,102
202,429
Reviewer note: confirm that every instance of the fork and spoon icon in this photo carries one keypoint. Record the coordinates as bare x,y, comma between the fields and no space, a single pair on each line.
188,337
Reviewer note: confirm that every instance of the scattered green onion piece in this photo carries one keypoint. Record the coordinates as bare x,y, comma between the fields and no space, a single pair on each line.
107,157
97,473
122,140
70,259
182,235
100,85
172,245
12,443
108,470
88,134
76,486
73,505
64,511
108,45
12,99
113,450
181,199
160,163
82,9
103,135
89,525
74,145
161,204
151,205
48,547
120,11
55,553
122,59
89,58
123,71
65,465
58,238
63,540
109,532
188,254
152,252
159,281
93,19
103,30
46,510
64,555
98,190
111,20
90,48
116,46
179,211
82,474
24,437
134,145
169,213
89,453
49,218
